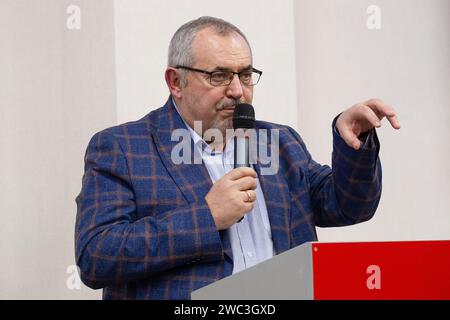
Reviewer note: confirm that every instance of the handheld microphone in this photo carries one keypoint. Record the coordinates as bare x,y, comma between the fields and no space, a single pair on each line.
243,118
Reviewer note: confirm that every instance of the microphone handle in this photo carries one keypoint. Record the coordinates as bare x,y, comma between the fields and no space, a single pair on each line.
241,152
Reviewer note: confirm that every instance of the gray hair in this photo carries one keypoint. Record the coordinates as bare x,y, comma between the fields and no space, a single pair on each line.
181,43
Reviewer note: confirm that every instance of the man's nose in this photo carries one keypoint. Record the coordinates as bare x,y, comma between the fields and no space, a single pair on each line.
235,89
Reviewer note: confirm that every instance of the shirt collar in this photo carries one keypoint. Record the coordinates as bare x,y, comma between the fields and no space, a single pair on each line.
195,137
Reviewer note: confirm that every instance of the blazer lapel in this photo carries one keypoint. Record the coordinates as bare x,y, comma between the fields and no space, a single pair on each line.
192,179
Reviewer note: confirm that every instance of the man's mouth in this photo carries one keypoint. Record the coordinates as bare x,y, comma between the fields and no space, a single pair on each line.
229,108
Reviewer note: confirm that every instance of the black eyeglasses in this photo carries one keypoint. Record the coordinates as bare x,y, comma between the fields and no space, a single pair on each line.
248,77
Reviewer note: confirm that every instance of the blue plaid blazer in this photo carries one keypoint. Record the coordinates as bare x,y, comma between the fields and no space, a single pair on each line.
143,228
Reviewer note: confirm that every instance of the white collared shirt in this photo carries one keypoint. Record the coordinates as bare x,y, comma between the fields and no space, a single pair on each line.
251,239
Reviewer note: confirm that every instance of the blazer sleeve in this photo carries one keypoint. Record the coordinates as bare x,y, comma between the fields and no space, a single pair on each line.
111,247
349,191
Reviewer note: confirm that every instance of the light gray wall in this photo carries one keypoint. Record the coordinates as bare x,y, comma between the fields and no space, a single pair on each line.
57,89
406,63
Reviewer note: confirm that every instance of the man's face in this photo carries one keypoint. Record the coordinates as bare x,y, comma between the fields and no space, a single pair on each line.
200,101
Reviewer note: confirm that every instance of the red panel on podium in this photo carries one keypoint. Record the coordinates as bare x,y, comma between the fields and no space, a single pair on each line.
382,270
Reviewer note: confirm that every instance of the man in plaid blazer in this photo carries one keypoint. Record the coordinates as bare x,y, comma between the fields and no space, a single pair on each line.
149,227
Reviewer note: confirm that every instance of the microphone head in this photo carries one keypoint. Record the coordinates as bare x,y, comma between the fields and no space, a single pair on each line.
244,116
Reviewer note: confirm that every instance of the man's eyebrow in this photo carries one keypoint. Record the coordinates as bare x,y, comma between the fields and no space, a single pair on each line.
249,67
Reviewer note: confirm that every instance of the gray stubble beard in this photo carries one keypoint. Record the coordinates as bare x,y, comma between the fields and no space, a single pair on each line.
223,125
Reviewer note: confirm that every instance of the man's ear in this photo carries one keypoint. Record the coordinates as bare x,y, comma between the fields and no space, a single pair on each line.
173,80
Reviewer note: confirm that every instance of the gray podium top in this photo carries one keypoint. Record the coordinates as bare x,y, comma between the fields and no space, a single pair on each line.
287,276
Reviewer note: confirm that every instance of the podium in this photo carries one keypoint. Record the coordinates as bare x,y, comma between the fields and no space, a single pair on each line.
402,270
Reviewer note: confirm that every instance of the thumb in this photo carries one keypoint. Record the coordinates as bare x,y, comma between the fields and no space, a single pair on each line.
349,137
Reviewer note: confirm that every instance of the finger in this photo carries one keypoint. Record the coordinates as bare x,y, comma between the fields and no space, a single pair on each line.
368,114
241,172
252,195
392,118
379,106
249,195
350,138
393,121
383,109
246,183
248,207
